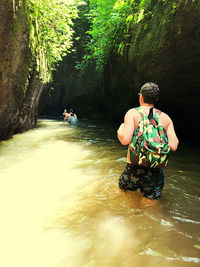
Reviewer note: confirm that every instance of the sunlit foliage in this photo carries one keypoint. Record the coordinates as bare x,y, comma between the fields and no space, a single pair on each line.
112,26
51,24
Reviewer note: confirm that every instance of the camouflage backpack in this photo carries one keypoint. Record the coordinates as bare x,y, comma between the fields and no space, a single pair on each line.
149,146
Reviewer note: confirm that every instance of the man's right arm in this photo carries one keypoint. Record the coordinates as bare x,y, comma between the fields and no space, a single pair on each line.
172,138
125,131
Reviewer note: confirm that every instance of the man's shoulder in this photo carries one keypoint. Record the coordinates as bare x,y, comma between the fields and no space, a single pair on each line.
132,114
133,110
164,115
164,119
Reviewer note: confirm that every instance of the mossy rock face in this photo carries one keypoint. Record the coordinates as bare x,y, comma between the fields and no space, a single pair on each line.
20,87
14,63
168,53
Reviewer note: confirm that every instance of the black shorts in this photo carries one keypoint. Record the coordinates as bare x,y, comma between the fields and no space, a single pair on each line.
150,181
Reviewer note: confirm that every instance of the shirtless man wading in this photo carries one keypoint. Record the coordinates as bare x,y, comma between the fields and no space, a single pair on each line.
150,181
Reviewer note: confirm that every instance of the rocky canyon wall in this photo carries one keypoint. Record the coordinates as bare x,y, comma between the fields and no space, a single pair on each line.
20,88
163,48
14,63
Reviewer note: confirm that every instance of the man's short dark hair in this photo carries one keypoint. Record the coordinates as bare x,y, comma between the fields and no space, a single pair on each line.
150,92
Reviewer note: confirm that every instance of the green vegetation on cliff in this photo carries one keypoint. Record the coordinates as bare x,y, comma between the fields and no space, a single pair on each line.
111,29
112,25
51,32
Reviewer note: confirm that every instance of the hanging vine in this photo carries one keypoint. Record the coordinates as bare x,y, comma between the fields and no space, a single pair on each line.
51,31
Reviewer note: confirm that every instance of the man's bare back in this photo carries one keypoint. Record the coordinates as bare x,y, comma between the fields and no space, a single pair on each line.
133,118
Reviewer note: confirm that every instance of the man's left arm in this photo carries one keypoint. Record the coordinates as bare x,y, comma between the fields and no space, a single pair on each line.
172,138
125,131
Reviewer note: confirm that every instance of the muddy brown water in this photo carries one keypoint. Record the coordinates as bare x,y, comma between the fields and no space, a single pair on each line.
61,206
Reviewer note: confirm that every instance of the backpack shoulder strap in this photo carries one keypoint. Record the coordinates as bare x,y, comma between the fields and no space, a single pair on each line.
140,110
156,114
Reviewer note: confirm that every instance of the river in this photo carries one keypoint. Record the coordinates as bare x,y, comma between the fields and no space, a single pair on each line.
60,203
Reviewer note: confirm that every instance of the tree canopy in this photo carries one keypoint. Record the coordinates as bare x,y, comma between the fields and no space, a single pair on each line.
110,28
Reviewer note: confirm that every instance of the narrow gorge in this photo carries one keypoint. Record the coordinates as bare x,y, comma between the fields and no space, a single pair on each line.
163,46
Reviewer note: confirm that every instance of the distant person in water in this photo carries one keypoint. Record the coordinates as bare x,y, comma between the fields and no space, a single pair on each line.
72,120
65,115
71,111
64,112
150,135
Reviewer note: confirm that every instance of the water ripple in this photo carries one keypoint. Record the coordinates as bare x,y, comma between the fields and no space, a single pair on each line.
176,258
185,220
